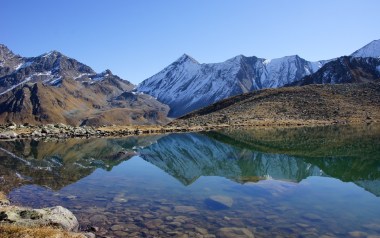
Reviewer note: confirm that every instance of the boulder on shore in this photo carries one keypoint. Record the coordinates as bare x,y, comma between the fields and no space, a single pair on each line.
58,217
8,135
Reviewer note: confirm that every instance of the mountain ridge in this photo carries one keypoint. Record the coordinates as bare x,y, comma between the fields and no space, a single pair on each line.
54,88
187,85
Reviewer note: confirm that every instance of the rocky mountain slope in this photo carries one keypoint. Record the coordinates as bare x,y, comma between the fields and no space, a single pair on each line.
187,85
293,105
54,88
346,69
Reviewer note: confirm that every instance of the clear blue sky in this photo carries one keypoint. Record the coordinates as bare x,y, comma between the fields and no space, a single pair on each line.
136,39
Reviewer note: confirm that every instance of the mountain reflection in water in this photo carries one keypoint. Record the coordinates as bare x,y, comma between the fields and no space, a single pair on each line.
349,154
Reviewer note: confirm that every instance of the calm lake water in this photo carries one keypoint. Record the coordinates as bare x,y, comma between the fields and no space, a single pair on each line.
297,182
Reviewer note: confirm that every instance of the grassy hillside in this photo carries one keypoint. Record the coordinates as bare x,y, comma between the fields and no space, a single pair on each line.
312,104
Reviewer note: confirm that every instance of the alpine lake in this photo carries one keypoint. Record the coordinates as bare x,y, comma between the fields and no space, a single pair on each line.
251,182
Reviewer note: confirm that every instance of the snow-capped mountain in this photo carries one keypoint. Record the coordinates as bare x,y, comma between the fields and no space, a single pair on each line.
187,85
49,68
370,50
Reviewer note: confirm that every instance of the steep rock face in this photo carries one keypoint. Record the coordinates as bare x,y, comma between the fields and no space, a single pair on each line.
370,50
53,67
186,85
345,69
8,61
76,104
54,88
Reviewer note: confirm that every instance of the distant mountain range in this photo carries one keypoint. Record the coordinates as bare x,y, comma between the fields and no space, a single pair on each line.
53,88
186,85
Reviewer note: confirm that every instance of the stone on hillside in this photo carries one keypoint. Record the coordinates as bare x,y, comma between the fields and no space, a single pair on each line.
79,131
60,125
12,126
37,133
219,202
234,232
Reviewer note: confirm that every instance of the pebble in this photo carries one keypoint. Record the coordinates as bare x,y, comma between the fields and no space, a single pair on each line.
234,232
200,230
121,233
312,217
372,226
117,228
357,234
98,219
153,224
184,209
131,226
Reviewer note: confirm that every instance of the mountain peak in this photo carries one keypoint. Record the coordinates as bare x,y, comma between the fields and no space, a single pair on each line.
53,54
372,49
107,71
2,46
186,58
238,57
4,50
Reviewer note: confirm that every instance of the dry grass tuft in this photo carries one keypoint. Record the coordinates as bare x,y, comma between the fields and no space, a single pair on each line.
12,231
3,196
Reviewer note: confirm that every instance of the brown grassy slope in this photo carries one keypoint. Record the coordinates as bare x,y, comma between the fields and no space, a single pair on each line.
73,102
310,104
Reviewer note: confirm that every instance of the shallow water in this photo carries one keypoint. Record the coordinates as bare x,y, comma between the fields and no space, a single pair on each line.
305,182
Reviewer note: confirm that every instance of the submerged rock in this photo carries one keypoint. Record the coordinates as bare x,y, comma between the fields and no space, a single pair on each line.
219,202
234,232
357,234
184,209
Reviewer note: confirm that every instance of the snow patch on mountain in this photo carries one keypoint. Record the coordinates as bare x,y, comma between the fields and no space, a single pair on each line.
16,85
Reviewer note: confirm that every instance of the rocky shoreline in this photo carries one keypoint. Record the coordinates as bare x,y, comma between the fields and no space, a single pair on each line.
62,131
